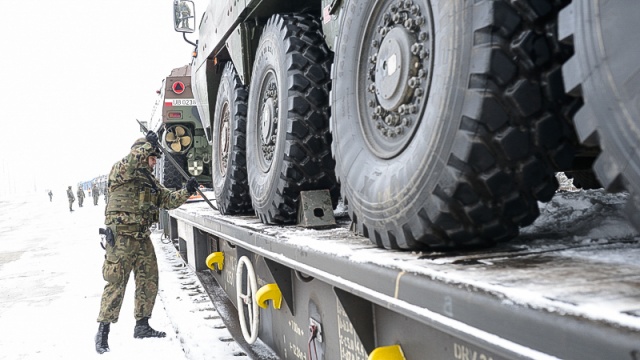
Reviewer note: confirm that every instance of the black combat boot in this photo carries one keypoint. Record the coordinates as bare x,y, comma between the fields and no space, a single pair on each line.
102,337
143,330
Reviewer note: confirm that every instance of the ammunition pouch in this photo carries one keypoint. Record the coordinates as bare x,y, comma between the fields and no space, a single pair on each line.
112,269
136,199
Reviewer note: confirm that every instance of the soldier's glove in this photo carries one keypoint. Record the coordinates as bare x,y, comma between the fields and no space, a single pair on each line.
152,138
192,185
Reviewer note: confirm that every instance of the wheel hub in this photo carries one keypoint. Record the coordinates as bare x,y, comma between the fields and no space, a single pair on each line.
269,121
396,76
392,69
266,121
225,134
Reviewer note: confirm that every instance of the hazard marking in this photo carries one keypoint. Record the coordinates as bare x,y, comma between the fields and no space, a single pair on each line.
178,87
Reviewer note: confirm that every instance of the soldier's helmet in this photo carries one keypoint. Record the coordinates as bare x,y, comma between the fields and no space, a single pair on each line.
142,141
139,142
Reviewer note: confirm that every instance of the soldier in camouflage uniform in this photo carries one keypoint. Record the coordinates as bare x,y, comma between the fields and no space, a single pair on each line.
71,198
183,14
80,193
95,192
134,199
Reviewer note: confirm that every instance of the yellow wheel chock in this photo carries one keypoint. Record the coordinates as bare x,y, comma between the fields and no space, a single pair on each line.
215,258
392,352
269,292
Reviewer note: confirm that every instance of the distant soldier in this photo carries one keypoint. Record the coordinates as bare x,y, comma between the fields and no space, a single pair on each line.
80,196
134,199
71,198
50,196
106,192
95,192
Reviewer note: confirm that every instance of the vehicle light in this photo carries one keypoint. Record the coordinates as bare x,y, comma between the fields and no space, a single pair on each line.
174,115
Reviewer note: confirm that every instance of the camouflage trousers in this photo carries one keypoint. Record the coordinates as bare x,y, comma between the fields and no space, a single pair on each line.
129,254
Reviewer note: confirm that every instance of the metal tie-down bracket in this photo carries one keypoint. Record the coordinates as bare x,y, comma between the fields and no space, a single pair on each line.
315,209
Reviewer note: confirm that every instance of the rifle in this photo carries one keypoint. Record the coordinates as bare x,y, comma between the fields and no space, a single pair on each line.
175,164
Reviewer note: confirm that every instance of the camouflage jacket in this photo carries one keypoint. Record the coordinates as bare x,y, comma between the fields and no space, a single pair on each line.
135,195
80,193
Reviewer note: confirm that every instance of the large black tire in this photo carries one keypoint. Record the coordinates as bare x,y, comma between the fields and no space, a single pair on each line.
605,73
446,126
171,177
228,166
288,138
158,170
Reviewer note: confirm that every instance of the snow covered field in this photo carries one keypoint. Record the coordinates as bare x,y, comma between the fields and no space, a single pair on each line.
51,283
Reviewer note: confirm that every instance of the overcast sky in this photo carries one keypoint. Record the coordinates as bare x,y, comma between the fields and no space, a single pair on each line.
75,75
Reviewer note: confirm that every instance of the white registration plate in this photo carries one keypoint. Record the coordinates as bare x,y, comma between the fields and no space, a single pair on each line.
181,102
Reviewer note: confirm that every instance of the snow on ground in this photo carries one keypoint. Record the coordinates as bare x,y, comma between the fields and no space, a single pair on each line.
51,283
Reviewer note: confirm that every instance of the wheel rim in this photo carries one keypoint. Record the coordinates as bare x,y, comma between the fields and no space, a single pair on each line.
224,138
395,74
268,120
